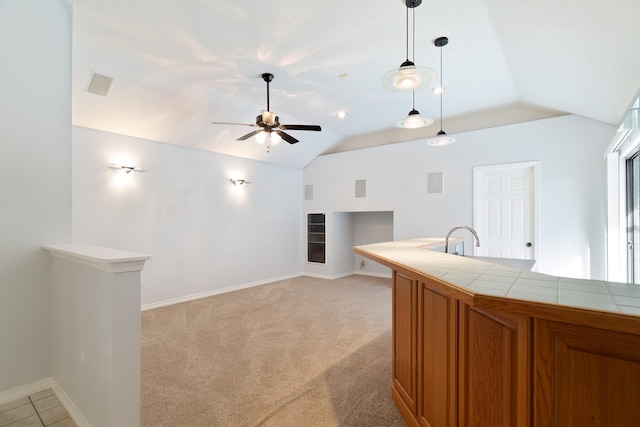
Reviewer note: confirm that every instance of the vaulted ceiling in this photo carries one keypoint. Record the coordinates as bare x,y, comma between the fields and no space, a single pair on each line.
177,66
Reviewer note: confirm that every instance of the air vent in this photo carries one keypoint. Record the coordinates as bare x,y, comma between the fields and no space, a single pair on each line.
308,192
99,84
434,183
361,188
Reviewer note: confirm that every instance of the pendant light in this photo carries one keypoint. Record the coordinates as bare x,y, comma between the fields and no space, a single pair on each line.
414,120
408,76
441,137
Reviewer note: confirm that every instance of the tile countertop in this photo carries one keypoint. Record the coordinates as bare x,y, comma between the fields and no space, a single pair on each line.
485,278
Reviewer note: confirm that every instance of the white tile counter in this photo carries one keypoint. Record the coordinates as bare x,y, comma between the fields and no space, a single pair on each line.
484,278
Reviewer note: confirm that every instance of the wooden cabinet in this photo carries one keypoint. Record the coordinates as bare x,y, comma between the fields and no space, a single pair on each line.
460,361
493,368
437,352
468,359
585,376
404,338
455,365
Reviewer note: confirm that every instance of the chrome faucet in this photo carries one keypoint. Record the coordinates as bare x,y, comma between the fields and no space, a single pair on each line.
446,240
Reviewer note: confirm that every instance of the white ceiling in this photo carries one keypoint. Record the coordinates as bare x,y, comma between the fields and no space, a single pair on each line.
177,66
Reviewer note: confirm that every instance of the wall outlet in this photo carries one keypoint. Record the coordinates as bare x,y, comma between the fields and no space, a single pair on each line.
269,261
362,264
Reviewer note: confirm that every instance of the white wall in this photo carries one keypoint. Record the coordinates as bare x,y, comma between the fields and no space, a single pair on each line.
572,185
340,255
203,233
35,177
372,227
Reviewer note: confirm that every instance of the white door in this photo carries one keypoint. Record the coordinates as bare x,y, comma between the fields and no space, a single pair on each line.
505,210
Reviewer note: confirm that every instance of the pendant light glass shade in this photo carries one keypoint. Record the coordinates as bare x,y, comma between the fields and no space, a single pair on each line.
409,76
441,139
414,120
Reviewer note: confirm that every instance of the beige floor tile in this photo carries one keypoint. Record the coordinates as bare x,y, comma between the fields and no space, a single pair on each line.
53,415
46,403
16,414
32,421
67,422
41,395
13,404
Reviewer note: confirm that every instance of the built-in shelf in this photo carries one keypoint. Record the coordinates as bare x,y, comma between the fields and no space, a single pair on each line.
316,237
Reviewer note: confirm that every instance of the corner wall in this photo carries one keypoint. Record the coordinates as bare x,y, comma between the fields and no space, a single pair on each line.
35,177
572,186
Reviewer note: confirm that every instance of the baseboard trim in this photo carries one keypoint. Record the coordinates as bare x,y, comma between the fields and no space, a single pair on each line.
373,274
68,404
41,385
350,273
213,292
26,390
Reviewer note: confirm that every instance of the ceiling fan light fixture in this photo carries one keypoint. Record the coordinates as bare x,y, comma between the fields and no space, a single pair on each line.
414,120
268,118
274,138
261,137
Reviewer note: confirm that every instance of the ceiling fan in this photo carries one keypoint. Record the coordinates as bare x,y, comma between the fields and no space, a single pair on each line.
270,127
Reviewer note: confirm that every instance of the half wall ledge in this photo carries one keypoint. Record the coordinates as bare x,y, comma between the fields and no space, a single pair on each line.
105,259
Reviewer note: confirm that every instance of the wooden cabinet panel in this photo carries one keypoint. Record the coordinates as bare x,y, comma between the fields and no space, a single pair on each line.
585,376
404,350
437,358
494,369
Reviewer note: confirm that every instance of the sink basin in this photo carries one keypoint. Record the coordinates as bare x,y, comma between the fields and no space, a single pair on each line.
521,264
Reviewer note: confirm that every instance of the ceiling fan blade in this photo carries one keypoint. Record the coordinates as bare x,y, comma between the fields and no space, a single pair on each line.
233,123
249,135
286,137
301,127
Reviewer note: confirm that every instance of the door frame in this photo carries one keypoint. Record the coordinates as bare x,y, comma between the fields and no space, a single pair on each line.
477,170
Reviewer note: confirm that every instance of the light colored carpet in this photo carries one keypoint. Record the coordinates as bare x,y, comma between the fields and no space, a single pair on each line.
298,352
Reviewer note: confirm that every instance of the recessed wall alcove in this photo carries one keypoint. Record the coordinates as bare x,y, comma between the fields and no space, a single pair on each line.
349,229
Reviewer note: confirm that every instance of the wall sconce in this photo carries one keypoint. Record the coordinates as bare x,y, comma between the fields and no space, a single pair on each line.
239,182
127,169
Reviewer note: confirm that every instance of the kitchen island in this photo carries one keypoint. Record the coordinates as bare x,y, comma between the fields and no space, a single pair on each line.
481,344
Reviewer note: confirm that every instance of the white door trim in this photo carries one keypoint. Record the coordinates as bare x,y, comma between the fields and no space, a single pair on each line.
477,170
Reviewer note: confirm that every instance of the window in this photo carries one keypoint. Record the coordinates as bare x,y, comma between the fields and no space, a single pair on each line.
623,195
633,216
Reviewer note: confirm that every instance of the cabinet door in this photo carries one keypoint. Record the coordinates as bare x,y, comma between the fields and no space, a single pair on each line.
585,376
494,369
404,342
437,356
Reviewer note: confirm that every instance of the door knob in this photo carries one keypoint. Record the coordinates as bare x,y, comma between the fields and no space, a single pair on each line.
528,244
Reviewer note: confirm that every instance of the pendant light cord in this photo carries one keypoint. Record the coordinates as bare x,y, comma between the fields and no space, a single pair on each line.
441,88
413,29
407,49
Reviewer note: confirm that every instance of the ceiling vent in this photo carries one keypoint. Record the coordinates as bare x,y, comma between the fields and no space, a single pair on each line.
99,84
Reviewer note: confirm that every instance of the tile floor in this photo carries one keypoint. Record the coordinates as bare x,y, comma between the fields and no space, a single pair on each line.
38,410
